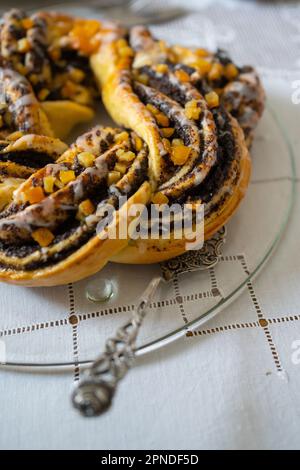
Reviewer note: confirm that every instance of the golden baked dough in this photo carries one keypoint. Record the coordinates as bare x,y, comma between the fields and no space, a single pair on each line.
7,187
49,232
64,115
169,93
27,139
20,110
51,51
154,251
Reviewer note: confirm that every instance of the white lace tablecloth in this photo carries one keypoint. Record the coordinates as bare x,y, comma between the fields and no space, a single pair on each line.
236,383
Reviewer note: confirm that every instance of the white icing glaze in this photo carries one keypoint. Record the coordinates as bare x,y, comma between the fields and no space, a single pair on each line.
25,100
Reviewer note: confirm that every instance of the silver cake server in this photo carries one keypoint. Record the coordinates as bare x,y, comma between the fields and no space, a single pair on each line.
94,393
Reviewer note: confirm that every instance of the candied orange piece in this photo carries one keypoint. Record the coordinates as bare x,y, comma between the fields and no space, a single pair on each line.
177,142
203,65
125,156
161,68
152,109
167,131
113,177
192,111
212,99
182,75
162,120
43,236
159,198
34,194
121,168
82,36
24,45
49,184
27,23
122,137
180,154
77,75
216,71
86,207
231,71
86,159
66,176
202,52
138,143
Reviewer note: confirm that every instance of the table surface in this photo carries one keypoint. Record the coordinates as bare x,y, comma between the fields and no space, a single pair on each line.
231,386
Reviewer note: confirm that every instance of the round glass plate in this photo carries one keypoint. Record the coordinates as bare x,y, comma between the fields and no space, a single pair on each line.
62,326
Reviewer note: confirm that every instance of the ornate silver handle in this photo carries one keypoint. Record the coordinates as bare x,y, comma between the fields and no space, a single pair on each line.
94,394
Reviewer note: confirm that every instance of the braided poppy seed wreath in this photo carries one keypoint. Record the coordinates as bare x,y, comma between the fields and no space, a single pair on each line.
185,122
